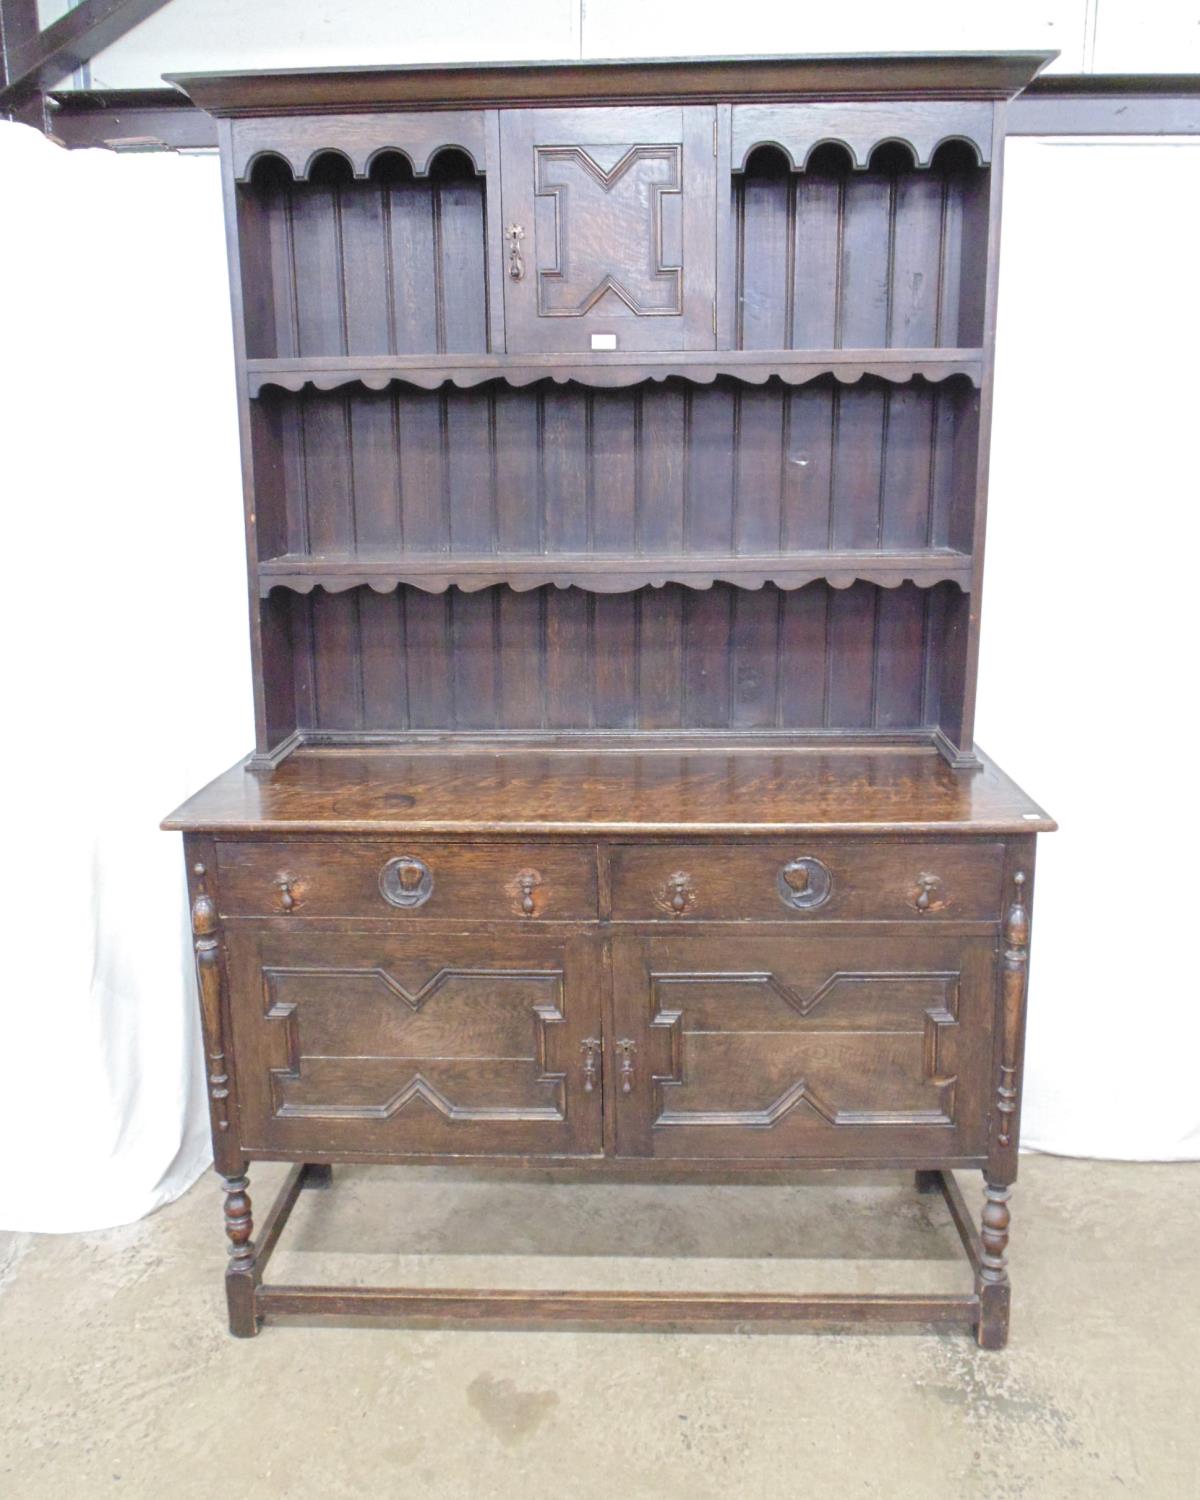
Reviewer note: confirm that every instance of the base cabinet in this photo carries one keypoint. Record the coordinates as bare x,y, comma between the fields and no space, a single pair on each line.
850,1002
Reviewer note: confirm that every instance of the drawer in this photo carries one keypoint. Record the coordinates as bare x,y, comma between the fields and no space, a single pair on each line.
406,879
843,879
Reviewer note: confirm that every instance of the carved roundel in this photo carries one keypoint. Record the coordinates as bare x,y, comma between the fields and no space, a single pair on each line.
406,881
804,883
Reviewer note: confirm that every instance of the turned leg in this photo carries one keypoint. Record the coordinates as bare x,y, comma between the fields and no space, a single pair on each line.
317,1174
240,1277
992,1284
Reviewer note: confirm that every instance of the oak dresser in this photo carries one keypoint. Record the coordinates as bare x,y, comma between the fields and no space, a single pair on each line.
615,453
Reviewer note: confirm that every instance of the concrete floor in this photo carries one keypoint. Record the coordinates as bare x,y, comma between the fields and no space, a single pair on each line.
117,1378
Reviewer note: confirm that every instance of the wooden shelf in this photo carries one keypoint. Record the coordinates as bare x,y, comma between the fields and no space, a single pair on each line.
608,574
588,788
792,366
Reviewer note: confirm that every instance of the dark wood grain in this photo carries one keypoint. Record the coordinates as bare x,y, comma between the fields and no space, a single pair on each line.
865,78
340,878
716,653
870,880
756,474
364,141
752,1046
734,789
415,1043
810,360
836,254
384,568
389,265
1112,104
615,804
676,1312
798,129
615,210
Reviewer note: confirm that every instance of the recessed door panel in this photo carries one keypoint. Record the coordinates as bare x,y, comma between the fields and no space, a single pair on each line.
417,1044
609,229
850,1045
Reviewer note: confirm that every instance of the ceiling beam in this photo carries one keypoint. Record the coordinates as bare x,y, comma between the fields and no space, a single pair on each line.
35,60
1107,104
130,120
19,24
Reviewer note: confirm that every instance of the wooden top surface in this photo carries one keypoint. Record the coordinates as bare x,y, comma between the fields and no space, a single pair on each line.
548,791
944,75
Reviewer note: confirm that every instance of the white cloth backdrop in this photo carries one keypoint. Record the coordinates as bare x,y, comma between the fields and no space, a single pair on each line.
128,683
1094,480
126,664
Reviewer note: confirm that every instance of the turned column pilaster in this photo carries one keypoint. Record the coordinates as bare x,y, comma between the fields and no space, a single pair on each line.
1013,976
240,1275
992,1283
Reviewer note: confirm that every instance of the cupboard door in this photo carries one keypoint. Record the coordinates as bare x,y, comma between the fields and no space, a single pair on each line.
609,229
429,1043
844,1046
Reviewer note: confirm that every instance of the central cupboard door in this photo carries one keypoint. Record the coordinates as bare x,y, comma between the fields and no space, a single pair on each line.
609,225
428,1042
786,1046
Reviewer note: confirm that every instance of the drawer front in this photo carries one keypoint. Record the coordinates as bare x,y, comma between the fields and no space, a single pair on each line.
416,1043
816,879
406,878
781,1046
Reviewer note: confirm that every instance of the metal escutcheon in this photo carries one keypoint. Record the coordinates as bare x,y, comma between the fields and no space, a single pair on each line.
406,881
804,883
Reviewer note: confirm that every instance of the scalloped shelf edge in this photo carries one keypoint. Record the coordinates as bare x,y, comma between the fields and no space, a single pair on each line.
301,160
612,583
613,376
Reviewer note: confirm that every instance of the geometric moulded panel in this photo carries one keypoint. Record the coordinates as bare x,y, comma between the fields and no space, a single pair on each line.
368,1043
747,1049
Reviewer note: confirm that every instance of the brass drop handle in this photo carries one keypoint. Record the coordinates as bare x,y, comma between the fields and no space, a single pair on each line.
526,883
590,1047
516,265
287,897
926,886
679,894
626,1048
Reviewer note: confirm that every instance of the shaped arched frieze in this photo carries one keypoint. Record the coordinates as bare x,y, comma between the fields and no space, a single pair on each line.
798,130
300,140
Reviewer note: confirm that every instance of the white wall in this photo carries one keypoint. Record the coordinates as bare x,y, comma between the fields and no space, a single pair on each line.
1100,35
